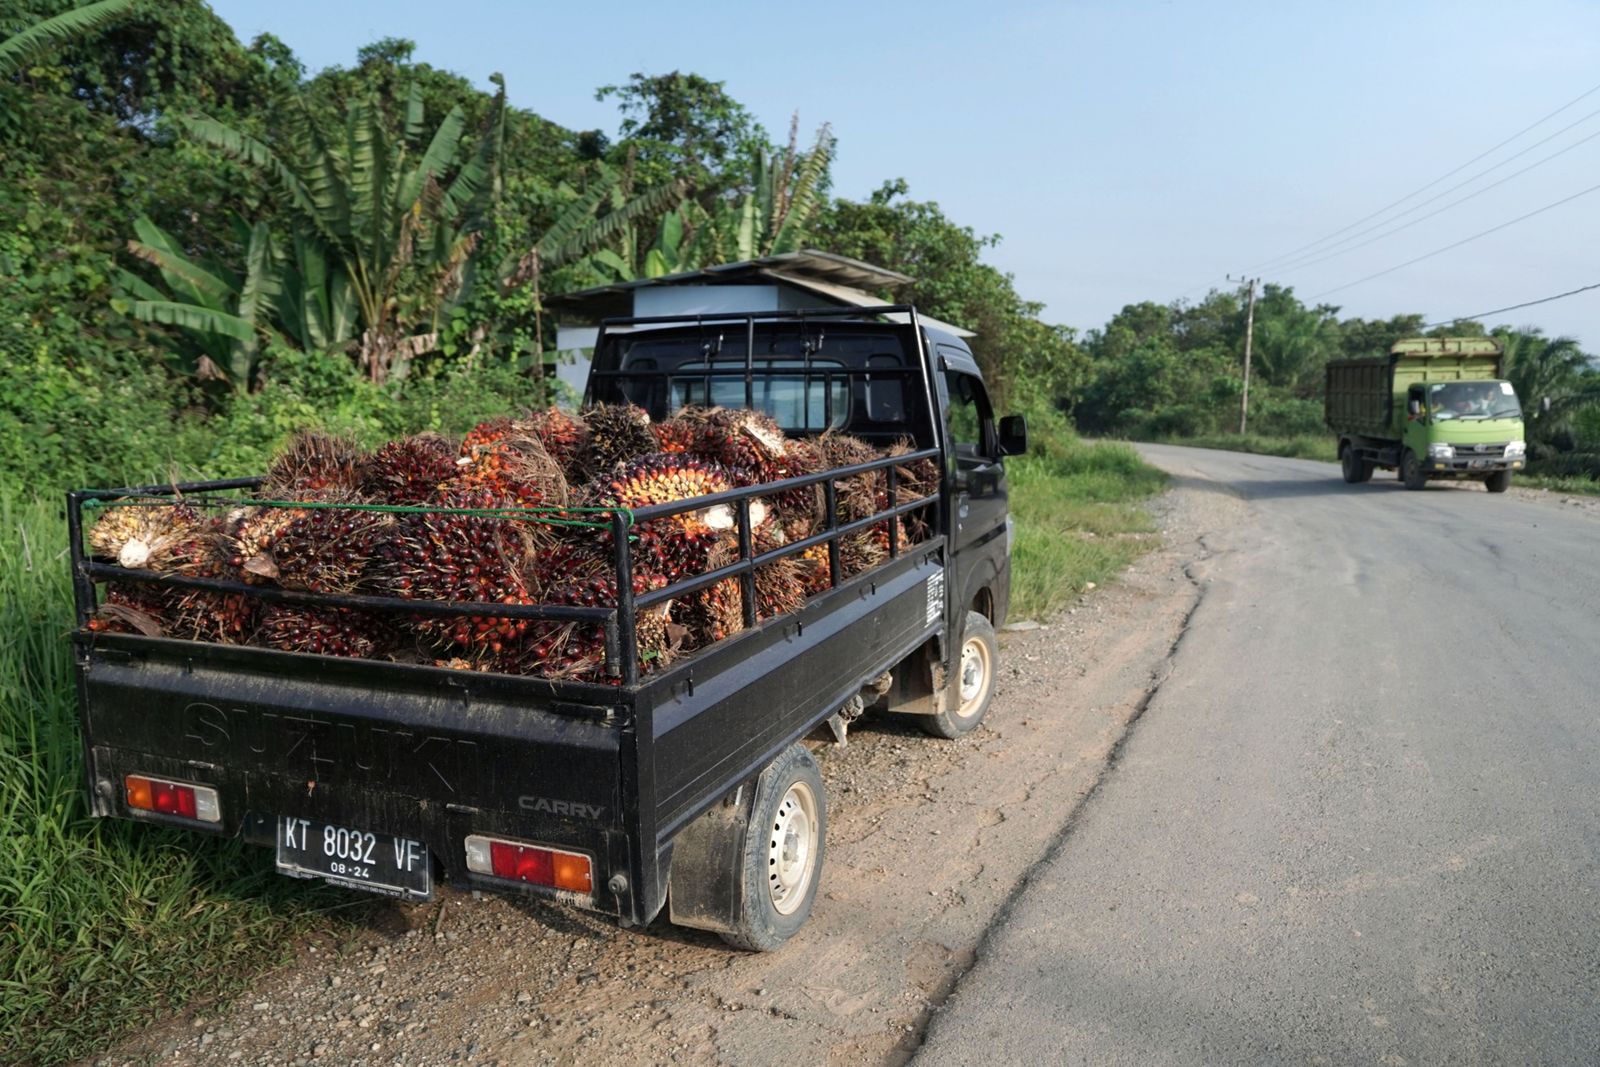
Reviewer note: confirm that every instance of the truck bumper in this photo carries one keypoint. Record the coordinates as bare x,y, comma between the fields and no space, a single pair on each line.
1471,466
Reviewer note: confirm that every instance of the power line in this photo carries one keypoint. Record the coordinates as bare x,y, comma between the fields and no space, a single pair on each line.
1432,214
1513,307
1458,244
1436,181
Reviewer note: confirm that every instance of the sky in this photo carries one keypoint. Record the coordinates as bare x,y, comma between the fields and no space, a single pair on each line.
1124,151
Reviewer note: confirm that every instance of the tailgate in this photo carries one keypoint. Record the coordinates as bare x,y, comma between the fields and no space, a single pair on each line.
417,752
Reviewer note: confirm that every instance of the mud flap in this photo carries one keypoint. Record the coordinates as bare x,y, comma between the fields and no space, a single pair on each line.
703,884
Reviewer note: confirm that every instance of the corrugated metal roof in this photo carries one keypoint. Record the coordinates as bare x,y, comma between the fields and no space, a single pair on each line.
852,297
810,263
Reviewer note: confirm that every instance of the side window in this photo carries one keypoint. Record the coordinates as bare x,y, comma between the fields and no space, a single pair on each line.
970,420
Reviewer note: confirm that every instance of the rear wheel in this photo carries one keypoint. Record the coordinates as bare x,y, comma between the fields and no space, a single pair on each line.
782,863
1411,471
980,652
1356,470
1498,482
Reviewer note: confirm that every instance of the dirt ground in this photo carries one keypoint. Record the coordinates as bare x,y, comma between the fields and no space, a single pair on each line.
928,841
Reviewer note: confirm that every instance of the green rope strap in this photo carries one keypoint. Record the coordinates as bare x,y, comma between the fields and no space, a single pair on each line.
549,515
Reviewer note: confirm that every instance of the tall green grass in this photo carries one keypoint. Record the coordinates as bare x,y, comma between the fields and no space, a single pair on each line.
103,924
1077,518
1305,446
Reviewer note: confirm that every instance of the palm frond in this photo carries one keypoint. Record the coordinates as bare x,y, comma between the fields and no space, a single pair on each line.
585,237
313,203
40,39
190,317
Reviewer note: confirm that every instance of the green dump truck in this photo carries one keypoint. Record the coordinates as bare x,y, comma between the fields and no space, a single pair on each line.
1434,408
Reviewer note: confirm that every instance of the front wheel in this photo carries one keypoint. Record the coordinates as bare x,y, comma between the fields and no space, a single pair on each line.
1411,472
782,862
1498,482
980,653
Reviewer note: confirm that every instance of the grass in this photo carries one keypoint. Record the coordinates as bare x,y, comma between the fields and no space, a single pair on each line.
1077,520
106,925
1304,446
103,924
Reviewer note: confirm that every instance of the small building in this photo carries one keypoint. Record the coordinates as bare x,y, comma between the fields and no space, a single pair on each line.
792,281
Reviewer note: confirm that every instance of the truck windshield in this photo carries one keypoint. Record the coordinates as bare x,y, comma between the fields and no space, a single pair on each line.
1473,400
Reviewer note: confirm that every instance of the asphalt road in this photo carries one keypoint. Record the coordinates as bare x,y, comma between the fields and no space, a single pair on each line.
1359,822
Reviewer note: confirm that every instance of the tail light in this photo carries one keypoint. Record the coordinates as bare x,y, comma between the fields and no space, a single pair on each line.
534,864
185,801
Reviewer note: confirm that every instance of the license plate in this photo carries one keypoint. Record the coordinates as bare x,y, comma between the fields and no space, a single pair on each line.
361,859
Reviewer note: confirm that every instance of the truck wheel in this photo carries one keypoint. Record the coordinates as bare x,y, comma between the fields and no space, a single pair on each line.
1411,471
974,679
783,852
1356,470
1498,482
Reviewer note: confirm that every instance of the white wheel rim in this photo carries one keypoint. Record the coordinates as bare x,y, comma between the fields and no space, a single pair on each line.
792,848
974,674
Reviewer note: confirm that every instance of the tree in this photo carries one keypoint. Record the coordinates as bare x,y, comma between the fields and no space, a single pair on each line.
684,126
1541,367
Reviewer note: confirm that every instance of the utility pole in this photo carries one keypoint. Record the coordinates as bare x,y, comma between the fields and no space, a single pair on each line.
1249,336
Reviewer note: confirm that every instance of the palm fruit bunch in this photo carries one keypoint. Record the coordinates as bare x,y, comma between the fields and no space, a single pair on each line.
617,433
680,434
314,466
463,558
716,611
324,631
746,441
320,550
800,511
677,545
578,650
409,471
170,539
503,460
858,497
913,480
780,585
564,436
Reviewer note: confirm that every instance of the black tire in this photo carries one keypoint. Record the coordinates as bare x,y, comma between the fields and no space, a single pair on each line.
782,863
1411,471
1355,469
1498,482
974,681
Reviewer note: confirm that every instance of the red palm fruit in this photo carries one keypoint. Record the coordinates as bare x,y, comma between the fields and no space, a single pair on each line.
408,471
486,433
617,433
745,440
513,469
313,466
456,558
677,435
780,585
578,650
800,511
323,550
323,631
663,478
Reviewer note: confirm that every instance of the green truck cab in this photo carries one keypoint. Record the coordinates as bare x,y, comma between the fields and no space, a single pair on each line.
1434,408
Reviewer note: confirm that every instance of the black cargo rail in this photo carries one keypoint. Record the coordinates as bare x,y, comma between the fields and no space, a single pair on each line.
617,623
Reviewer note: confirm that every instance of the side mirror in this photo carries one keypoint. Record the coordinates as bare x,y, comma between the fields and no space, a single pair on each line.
1013,435
1413,407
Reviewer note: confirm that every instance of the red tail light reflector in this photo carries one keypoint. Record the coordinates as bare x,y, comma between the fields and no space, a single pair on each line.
164,797
534,864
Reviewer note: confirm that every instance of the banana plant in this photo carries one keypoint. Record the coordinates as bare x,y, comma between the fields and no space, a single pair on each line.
223,316
46,35
393,221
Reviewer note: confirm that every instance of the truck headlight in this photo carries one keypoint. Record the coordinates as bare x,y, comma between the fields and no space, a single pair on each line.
1516,449
1441,451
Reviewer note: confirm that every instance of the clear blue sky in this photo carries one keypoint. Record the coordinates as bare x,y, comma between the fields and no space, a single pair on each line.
1124,150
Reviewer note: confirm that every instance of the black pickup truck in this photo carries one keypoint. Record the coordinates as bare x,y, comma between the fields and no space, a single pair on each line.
685,788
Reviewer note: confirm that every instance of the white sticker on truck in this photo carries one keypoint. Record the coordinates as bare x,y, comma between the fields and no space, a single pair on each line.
935,598
1505,387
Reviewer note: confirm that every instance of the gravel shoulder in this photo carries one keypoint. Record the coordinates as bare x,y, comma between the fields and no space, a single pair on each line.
928,842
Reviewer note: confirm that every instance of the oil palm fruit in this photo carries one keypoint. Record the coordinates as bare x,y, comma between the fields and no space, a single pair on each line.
408,471
171,538
578,650
617,432
313,466
321,550
511,466
323,631
564,436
